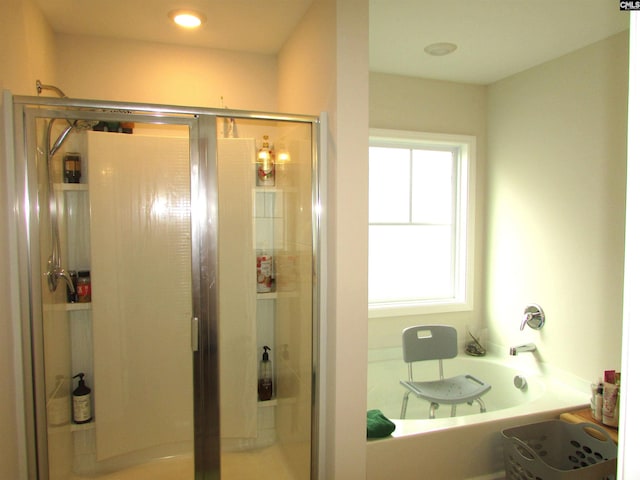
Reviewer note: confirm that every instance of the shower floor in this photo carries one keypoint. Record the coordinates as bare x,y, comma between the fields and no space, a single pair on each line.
266,464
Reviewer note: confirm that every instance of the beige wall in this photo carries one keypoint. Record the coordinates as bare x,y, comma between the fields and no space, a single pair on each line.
134,71
324,68
406,103
556,206
554,215
29,48
550,192
347,268
26,56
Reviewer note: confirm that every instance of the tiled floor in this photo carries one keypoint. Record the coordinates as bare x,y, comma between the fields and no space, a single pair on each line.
266,464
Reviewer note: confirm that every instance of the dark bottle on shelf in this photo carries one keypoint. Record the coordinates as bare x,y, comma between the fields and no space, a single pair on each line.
72,172
83,288
81,401
265,380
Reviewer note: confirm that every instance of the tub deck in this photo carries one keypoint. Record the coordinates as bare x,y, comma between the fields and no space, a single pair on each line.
469,446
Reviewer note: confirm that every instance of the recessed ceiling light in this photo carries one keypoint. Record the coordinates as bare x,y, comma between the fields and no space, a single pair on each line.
187,18
440,49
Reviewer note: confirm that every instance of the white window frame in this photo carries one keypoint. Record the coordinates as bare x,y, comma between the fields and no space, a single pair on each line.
465,209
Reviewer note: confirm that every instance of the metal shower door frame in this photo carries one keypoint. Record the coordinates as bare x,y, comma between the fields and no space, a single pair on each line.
204,227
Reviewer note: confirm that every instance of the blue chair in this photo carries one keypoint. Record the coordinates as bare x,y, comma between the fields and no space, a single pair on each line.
438,342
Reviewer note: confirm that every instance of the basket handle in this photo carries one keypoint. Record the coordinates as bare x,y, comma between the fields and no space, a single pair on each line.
596,431
524,451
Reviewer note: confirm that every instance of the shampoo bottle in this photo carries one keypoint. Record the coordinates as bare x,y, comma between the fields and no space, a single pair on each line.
266,168
265,379
81,401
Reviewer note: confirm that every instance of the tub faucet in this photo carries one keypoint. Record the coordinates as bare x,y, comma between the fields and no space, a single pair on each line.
527,347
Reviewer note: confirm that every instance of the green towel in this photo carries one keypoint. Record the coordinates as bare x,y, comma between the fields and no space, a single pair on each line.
378,426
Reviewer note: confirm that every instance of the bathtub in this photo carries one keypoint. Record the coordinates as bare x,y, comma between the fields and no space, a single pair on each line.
467,446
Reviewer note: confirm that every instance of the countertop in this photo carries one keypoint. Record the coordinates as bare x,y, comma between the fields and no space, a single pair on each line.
584,415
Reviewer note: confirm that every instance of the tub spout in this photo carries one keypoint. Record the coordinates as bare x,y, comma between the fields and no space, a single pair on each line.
527,347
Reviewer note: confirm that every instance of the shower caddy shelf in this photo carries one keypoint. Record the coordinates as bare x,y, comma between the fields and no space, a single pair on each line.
74,310
71,187
275,295
72,427
68,307
267,296
267,197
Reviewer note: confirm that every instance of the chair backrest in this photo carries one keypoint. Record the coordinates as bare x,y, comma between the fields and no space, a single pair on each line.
429,342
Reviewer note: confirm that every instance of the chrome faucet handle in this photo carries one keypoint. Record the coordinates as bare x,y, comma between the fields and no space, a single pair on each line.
533,316
56,273
64,274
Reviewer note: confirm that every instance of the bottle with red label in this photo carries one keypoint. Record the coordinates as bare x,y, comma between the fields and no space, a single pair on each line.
83,288
265,277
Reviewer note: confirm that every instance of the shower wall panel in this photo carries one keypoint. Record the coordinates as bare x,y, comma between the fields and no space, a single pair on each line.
237,279
141,293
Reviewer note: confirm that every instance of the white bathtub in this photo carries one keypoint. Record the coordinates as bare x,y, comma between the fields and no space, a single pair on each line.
468,445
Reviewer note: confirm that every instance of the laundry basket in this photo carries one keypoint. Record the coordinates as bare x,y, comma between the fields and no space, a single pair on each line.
557,450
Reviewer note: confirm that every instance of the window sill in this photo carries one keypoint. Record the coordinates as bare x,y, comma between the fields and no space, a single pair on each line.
406,309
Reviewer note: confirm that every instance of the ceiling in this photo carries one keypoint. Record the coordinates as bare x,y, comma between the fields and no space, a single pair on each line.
495,38
259,26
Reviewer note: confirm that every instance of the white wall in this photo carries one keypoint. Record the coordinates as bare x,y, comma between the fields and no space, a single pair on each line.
556,206
406,103
628,464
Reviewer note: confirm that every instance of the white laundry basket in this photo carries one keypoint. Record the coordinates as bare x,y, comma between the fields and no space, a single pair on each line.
557,450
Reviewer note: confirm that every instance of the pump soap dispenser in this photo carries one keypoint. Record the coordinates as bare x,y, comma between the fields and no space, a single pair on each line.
265,379
81,401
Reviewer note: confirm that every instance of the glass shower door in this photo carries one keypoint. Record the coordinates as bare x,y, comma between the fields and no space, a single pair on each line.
166,222
266,279
126,227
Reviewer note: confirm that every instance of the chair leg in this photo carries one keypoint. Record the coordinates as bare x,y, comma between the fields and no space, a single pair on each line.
405,400
453,410
432,410
483,408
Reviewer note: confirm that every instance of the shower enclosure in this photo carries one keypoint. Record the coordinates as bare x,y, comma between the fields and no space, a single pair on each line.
141,228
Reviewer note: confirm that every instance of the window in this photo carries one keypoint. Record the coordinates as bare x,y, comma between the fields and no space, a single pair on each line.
420,222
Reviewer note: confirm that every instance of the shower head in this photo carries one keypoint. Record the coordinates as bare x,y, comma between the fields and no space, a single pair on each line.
40,87
77,125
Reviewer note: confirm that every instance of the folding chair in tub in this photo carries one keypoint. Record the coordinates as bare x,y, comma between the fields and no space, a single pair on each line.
438,342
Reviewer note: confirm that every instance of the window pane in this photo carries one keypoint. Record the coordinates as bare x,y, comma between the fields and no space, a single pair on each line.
409,262
389,182
432,186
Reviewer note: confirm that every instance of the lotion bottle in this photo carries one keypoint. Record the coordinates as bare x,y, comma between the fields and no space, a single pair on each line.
598,405
265,379
81,401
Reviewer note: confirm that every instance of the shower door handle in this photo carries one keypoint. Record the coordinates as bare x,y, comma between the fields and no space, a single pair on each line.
195,327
